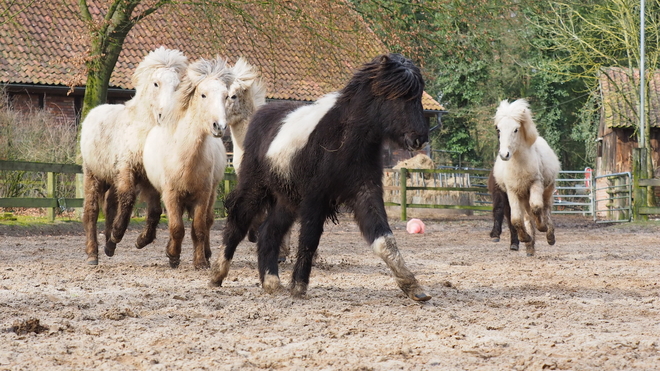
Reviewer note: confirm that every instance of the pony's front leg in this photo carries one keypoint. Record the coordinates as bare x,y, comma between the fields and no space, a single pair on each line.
93,191
271,233
529,225
372,219
242,208
154,210
517,216
126,194
174,208
200,234
536,203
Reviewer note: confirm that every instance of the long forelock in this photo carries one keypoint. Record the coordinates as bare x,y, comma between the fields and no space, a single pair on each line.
518,111
390,77
156,59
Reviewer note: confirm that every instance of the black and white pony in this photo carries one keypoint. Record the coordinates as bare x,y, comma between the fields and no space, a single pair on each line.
304,161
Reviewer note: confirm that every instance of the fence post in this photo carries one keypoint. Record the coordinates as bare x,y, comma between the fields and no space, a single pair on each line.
80,193
403,175
51,192
639,172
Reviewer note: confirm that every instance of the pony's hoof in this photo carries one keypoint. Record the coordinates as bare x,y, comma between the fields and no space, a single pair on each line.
272,284
252,236
110,248
92,261
143,241
298,290
514,247
204,265
215,282
551,239
174,262
421,297
495,239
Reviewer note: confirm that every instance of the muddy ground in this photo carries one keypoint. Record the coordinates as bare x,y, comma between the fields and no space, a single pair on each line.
591,302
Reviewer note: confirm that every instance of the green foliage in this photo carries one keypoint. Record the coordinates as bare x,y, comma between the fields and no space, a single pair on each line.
38,136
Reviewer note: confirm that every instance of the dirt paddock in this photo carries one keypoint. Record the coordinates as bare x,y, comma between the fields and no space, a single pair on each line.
591,302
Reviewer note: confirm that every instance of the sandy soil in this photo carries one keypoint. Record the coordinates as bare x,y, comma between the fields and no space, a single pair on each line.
591,302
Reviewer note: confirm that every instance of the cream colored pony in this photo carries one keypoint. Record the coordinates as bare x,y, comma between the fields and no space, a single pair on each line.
111,142
246,94
525,169
185,158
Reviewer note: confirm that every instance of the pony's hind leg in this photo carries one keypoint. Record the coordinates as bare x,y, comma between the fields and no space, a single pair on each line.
515,243
154,210
547,210
498,215
271,233
110,211
372,219
93,191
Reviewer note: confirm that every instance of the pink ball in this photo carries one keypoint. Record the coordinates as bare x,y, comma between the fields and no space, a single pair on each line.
415,226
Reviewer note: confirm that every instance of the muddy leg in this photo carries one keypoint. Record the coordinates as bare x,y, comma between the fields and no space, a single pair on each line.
547,209
372,220
93,191
199,234
242,207
110,211
154,210
529,246
176,226
517,216
126,194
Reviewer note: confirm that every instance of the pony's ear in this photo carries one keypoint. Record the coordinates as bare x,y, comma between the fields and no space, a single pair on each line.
384,59
529,127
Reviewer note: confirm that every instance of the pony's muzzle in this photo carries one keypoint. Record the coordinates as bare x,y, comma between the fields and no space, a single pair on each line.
217,129
505,156
415,142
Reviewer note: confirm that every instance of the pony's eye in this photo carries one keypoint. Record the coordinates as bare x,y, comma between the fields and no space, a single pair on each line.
156,84
233,96
203,95
515,131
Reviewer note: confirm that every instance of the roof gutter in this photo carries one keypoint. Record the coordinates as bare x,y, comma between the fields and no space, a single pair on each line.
62,90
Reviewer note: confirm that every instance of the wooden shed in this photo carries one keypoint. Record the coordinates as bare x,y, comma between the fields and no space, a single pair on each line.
619,122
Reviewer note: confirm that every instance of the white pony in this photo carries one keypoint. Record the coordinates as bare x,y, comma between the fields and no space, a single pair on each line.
185,158
111,142
246,94
525,169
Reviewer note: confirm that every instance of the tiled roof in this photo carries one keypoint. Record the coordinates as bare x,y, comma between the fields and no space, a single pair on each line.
620,98
46,43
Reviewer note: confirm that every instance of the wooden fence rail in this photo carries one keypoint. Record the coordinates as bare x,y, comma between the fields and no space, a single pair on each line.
53,201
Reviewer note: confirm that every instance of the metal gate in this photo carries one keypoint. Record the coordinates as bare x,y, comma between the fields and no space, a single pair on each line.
613,198
574,192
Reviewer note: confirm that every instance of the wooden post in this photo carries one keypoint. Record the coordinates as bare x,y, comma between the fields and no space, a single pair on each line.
51,192
639,171
80,193
403,175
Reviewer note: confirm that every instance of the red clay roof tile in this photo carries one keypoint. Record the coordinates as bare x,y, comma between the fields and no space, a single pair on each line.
45,43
